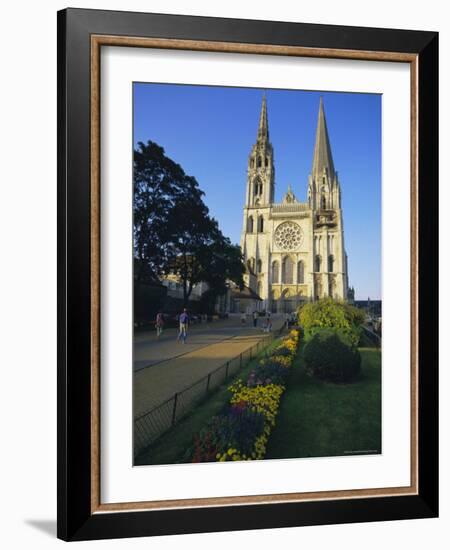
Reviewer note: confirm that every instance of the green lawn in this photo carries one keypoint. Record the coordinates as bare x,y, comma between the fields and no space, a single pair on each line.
323,419
171,447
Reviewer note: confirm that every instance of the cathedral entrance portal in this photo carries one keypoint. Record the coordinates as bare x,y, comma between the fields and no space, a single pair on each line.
287,304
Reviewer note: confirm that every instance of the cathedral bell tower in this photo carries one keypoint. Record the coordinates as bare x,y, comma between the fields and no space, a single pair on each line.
323,187
255,238
324,199
261,171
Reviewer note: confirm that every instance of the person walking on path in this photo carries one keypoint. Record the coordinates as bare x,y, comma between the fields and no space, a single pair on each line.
268,327
255,319
184,322
287,317
159,323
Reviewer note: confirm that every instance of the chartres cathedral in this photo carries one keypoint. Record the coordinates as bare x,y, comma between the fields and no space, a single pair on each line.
294,251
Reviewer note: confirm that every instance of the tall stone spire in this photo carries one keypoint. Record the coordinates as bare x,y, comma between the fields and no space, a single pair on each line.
324,192
323,158
261,169
263,128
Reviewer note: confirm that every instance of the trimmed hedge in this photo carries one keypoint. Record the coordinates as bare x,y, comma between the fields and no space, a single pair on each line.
334,314
328,356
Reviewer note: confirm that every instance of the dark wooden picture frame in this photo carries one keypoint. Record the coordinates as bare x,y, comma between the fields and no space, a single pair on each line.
81,34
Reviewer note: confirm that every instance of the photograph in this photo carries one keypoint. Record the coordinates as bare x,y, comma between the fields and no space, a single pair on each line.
257,288
247,272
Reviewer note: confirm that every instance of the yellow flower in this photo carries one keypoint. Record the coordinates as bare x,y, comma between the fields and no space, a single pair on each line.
262,399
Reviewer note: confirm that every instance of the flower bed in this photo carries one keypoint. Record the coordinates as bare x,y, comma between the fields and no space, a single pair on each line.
242,430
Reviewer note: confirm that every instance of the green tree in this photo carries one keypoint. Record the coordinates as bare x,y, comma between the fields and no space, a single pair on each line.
160,185
335,314
225,263
192,234
173,231
203,254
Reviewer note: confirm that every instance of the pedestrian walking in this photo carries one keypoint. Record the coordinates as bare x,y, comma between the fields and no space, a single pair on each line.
255,319
243,319
159,323
268,322
184,323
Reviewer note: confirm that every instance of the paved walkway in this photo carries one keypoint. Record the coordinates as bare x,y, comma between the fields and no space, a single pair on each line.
150,350
207,350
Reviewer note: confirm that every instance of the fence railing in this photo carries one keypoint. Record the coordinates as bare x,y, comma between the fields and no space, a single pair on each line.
372,336
149,426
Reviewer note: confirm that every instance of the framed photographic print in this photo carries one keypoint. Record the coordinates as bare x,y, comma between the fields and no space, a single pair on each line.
247,262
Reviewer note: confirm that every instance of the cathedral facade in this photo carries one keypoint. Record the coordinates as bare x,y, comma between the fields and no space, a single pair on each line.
294,251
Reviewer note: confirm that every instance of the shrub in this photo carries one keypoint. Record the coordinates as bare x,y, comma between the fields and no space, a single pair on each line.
335,314
328,357
344,335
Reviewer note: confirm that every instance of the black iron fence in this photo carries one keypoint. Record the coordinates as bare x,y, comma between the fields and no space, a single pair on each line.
149,426
372,337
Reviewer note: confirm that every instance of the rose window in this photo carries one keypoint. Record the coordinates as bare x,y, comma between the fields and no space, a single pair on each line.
288,236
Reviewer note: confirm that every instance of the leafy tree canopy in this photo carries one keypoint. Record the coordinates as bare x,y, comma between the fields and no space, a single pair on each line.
330,313
173,231
159,185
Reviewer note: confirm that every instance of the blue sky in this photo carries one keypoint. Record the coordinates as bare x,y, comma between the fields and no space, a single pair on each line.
210,131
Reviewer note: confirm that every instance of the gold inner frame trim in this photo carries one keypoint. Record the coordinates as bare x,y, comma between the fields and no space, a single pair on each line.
97,41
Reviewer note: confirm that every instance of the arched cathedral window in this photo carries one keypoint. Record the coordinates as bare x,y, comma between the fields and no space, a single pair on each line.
259,266
258,187
260,224
251,265
259,162
300,272
330,263
287,271
250,224
275,272
317,263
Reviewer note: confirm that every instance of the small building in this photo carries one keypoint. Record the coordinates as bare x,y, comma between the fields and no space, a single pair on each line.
175,288
243,300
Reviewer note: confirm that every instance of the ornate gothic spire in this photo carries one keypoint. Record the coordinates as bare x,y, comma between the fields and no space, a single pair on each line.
263,128
289,197
261,170
322,150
